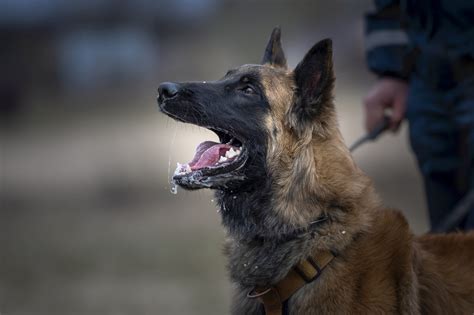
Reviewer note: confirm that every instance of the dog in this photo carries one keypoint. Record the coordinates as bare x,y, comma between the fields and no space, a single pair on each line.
306,232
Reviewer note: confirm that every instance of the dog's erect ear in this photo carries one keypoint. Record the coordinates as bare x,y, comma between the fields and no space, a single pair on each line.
274,54
314,78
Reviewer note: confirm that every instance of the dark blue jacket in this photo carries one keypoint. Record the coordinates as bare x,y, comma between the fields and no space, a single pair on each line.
401,30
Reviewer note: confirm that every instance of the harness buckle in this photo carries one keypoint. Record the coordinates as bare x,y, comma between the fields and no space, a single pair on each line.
253,294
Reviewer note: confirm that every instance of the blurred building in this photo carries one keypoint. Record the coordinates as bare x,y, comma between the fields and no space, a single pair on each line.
79,47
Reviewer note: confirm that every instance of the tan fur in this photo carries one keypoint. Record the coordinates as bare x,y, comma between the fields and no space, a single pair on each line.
319,158
381,267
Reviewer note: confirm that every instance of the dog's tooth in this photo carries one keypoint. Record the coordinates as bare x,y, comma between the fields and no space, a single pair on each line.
230,153
182,169
222,159
179,169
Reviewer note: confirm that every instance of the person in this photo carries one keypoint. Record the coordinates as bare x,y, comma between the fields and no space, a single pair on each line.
423,54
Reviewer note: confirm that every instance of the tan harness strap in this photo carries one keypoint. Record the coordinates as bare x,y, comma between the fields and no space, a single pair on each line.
304,272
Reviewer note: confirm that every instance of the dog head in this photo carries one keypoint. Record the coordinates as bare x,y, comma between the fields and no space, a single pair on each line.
266,117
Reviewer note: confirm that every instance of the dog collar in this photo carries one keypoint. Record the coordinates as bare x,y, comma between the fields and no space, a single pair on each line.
306,271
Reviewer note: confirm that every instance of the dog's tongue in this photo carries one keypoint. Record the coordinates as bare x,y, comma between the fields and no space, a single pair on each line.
208,154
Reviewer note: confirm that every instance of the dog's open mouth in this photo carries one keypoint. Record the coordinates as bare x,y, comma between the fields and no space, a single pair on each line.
214,163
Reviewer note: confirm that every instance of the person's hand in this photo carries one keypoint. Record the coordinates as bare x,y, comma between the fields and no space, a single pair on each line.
386,94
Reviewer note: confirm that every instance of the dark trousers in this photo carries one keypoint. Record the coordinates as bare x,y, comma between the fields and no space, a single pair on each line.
442,138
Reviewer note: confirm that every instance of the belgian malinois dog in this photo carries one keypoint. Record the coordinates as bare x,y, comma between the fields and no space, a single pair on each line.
307,234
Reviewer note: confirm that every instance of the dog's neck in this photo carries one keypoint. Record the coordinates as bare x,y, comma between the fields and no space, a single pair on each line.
248,213
259,249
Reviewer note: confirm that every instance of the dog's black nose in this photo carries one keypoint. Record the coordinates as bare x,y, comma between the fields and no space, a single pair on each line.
167,90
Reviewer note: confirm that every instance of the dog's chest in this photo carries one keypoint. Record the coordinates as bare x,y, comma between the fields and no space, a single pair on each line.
263,263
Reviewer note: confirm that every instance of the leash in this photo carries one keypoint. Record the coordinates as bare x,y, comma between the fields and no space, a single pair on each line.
371,136
455,216
274,297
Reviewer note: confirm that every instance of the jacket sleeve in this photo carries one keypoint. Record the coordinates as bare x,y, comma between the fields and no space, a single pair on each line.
387,45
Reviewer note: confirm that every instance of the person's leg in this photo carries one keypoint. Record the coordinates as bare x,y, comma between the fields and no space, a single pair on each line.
464,113
469,220
433,137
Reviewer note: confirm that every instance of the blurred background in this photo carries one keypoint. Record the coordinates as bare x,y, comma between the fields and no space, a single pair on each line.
87,221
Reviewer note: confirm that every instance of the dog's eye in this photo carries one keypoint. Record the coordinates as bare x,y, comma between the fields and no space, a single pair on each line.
248,90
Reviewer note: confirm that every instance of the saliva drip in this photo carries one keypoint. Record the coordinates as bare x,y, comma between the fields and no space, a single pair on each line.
173,186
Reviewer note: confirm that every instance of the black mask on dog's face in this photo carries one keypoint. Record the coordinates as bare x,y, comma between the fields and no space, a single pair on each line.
233,107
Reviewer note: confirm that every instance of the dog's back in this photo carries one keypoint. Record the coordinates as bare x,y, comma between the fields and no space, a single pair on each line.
445,270
386,270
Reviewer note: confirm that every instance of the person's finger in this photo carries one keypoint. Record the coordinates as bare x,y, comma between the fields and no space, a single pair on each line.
398,112
374,115
374,109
